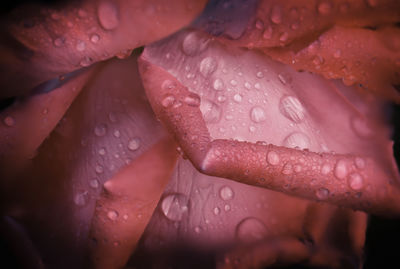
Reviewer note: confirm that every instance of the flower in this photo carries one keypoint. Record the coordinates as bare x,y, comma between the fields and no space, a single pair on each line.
87,164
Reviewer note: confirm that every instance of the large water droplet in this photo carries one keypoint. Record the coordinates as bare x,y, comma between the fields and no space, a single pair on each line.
250,230
218,84
257,114
356,181
341,169
297,139
226,193
168,100
100,130
175,206
208,66
273,158
292,108
211,111
108,15
134,144
193,44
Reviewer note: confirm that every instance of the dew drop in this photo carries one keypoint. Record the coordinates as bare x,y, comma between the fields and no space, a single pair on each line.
134,144
168,100
259,24
112,215
216,211
360,163
108,15
322,193
233,82
9,121
99,169
227,208
226,193
276,15
238,98
260,74
267,34
94,183
250,230
197,229
100,130
175,206
94,38
80,198
192,100
86,61
297,139
58,42
80,45
292,109
117,133
273,158
341,169
102,151
211,111
208,66
193,44
324,8
257,114
356,181
218,84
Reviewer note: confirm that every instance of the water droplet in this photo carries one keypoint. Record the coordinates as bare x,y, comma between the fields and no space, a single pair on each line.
226,193
197,229
86,61
216,210
276,15
218,84
259,24
361,127
192,100
341,169
227,208
260,74
284,37
94,38
168,100
124,54
175,206
208,66
9,121
247,85
356,181
99,169
100,130
238,98
267,34
102,151
94,183
257,114
211,111
58,42
193,44
80,45
112,215
326,168
297,139
134,144
117,133
324,8
360,163
80,198
250,230
273,158
292,109
322,193
108,15
233,82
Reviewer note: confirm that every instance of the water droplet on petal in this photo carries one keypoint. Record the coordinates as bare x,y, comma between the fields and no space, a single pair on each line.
168,100
9,121
287,169
100,130
86,61
134,144
193,44
58,42
276,15
259,24
238,98
292,108
208,66
218,84
341,169
226,193
192,100
94,38
267,34
112,215
108,15
356,181
175,206
273,158
94,183
197,229
99,169
360,163
102,151
250,230
80,45
297,139
257,114
216,210
211,111
260,74
322,193
227,208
